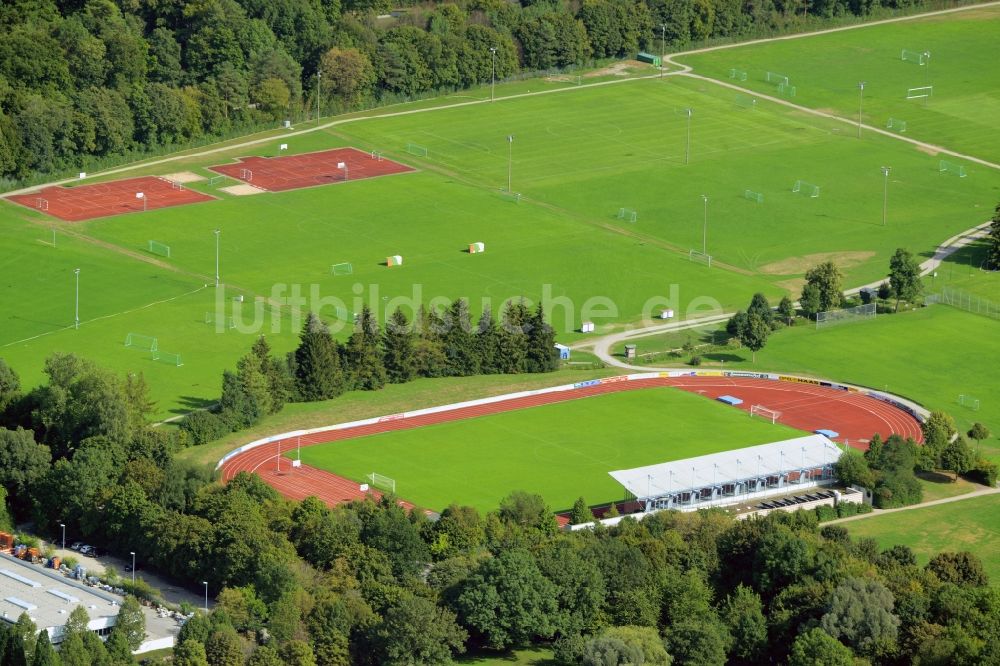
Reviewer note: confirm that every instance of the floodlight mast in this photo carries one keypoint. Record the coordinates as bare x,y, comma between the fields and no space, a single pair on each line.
704,228
861,101
885,191
493,73
687,148
217,232
76,271
510,157
663,45
319,79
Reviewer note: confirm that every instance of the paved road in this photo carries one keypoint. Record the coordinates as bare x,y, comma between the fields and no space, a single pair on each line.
946,500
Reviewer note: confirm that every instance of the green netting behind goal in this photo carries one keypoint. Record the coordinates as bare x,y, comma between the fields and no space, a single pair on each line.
695,255
738,74
226,322
786,89
806,189
746,101
161,249
628,214
756,197
142,342
951,168
916,57
415,149
344,268
382,482
774,77
167,358
845,315
896,125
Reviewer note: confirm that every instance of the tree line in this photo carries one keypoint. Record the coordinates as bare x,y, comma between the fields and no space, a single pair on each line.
438,343
96,81
369,582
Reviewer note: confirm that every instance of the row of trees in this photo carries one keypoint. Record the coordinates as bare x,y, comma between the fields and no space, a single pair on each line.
372,583
438,343
98,79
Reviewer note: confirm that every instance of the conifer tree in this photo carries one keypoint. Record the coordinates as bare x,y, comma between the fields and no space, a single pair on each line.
400,355
45,654
428,346
488,342
542,355
459,341
277,379
513,343
364,353
255,386
318,371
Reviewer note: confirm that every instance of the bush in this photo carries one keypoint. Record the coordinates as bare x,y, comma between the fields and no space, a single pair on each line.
985,472
204,426
845,509
695,361
825,513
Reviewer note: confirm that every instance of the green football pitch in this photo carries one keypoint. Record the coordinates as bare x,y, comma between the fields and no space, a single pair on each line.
560,451
972,525
826,69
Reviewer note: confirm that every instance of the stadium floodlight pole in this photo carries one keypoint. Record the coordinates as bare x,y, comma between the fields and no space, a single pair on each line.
132,553
63,526
319,80
663,45
510,157
861,101
885,191
217,232
687,148
76,272
704,228
279,456
493,73
205,583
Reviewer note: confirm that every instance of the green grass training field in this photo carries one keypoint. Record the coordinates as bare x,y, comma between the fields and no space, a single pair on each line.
972,524
560,451
826,69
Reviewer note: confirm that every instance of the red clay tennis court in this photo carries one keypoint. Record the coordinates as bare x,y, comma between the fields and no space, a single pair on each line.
291,172
86,202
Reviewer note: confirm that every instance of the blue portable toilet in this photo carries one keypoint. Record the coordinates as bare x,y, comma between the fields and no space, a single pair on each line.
563,352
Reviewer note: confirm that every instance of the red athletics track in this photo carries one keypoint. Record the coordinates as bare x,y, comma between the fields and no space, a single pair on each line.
855,416
85,202
292,172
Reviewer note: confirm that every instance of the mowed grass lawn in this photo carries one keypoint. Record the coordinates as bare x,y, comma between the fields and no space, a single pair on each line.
972,524
560,451
826,69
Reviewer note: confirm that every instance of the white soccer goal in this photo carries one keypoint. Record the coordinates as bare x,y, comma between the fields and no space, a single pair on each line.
246,174
344,268
920,92
746,101
806,189
845,315
176,185
382,482
161,249
968,401
896,125
42,204
214,319
775,78
760,410
167,358
945,166
628,214
143,342
916,57
756,197
738,74
511,196
214,180
416,149
701,257
786,89
377,155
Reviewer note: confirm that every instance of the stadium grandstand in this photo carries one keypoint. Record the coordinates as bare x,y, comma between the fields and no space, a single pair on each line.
732,477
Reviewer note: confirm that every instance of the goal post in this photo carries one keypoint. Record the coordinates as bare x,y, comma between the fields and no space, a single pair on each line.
416,149
141,342
944,166
246,174
167,358
920,92
700,257
42,204
969,402
628,214
896,125
343,268
915,57
805,189
765,413
845,315
738,74
162,249
786,89
382,482
775,78
214,319
746,101
756,197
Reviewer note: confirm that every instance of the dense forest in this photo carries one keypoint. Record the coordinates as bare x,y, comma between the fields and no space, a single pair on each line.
85,83
371,583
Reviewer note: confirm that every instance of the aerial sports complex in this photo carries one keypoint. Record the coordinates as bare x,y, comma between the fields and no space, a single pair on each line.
829,416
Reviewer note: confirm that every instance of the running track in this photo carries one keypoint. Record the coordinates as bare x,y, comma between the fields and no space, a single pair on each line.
855,416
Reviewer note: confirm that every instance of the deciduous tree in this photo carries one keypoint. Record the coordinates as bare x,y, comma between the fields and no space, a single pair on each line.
904,276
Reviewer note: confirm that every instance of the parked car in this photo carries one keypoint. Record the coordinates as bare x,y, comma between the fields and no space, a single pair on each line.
76,545
88,550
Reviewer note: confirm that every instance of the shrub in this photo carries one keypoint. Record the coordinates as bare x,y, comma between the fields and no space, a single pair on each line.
845,509
204,426
985,472
825,513
695,361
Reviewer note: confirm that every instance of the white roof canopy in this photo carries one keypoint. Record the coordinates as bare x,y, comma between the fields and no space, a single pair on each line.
801,453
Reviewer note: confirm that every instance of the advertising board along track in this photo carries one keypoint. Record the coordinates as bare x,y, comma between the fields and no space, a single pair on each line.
854,412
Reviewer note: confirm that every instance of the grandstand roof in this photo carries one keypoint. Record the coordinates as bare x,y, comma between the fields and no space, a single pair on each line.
716,469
